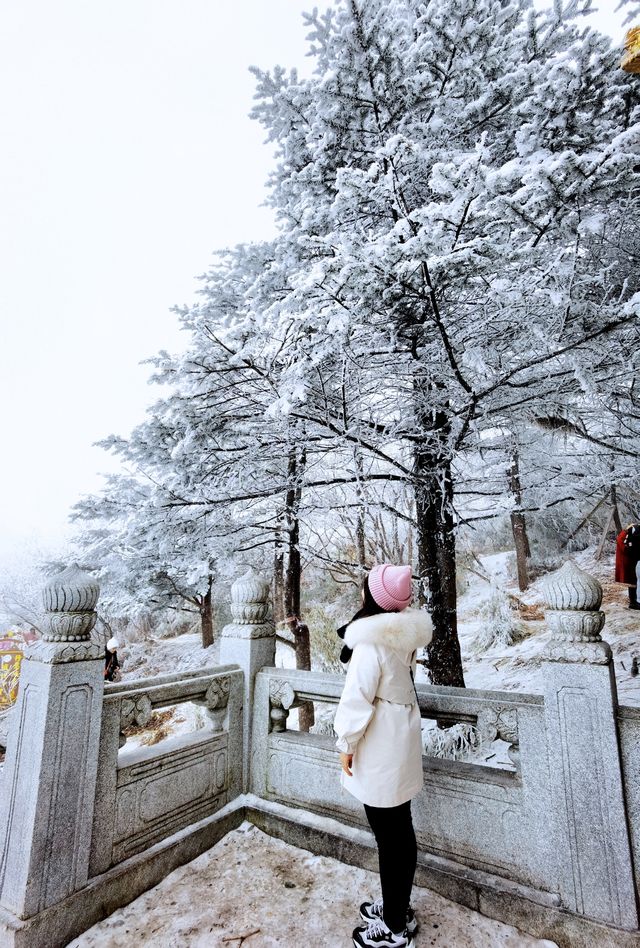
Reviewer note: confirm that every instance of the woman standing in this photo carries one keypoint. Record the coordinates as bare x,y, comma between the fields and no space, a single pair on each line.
379,736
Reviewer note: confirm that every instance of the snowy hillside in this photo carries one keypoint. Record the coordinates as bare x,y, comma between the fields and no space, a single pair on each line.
517,667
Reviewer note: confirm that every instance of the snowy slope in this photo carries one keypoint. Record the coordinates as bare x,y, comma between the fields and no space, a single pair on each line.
517,667
156,656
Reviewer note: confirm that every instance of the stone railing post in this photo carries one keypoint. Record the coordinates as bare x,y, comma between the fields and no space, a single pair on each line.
590,834
250,642
48,787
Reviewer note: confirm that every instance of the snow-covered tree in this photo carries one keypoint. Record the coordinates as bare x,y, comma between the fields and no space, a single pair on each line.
439,182
151,563
435,335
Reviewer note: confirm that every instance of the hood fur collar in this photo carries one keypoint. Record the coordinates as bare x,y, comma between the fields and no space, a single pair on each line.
404,631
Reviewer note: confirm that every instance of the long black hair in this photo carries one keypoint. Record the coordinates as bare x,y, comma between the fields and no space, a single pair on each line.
368,608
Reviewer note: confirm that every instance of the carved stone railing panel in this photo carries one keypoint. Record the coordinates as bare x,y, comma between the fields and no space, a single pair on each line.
147,793
139,698
159,795
494,714
209,687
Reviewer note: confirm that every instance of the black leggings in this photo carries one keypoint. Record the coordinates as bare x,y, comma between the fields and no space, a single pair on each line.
397,856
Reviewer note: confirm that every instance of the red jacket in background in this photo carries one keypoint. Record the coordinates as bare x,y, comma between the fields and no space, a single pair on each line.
626,557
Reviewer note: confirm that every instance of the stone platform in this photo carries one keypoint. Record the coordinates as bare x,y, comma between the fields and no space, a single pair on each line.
254,890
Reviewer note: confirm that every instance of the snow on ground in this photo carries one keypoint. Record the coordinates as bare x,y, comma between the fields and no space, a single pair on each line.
156,656
253,885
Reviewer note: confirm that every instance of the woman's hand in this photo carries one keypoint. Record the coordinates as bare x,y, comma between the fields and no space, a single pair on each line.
345,760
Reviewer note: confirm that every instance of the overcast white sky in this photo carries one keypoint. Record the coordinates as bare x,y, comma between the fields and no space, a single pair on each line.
128,157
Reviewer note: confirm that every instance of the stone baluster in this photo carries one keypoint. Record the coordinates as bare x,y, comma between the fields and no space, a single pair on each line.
48,790
282,698
250,642
498,722
134,712
590,835
216,702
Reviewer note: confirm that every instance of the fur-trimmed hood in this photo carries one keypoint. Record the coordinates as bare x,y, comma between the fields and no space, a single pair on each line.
404,631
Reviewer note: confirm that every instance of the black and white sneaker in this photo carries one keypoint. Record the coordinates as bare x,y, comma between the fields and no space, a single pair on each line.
377,935
372,910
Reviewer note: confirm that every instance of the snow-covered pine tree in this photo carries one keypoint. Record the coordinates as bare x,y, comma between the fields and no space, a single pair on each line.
152,565
437,178
211,477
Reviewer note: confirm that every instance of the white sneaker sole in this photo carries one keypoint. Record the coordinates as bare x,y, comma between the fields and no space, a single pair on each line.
369,918
410,944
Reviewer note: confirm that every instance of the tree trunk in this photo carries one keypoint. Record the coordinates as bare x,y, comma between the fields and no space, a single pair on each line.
437,565
616,511
293,570
519,523
293,576
278,581
433,486
206,616
361,546
360,541
306,713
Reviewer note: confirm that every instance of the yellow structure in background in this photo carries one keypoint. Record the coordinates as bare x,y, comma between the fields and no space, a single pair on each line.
11,648
631,59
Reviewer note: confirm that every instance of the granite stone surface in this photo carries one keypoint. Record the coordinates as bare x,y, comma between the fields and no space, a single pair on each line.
550,844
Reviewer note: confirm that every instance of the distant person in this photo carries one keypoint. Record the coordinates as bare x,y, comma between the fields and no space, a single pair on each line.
380,739
111,664
628,560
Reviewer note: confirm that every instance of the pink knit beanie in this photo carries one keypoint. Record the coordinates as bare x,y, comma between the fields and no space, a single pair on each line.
390,586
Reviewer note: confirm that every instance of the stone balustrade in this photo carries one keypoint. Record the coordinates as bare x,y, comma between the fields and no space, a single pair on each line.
88,822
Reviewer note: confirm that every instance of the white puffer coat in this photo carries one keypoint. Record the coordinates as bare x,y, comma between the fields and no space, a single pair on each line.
378,719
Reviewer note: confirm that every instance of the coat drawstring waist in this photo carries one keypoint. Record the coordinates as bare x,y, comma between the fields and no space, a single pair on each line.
402,704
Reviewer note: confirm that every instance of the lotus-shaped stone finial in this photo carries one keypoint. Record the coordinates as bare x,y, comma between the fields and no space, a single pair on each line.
70,599
574,617
250,599
570,588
